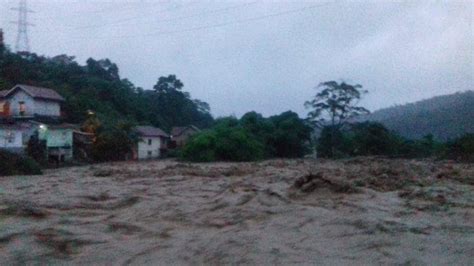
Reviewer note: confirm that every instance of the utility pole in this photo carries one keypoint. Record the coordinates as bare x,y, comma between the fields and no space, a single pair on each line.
22,41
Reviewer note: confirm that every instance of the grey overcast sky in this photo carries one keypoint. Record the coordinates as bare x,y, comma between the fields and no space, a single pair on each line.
265,56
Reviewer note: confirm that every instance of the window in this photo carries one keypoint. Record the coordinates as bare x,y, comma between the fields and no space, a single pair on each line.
10,137
22,108
149,154
149,141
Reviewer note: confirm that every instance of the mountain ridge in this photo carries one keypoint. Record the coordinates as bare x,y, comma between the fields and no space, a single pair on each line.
446,116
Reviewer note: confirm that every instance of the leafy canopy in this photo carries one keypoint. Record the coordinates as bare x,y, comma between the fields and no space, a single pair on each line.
250,138
335,104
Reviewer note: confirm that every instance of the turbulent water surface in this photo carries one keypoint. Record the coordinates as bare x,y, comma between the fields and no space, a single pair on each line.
360,211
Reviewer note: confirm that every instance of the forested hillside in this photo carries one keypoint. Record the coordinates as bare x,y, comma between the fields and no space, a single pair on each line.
446,117
97,86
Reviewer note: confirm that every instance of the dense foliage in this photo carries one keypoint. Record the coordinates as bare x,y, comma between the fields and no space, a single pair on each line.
372,138
461,149
115,142
97,86
36,149
253,137
13,164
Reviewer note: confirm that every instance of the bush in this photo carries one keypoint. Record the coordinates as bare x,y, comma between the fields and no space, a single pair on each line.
291,137
333,143
236,144
201,148
251,138
36,149
461,149
371,138
115,143
223,143
13,164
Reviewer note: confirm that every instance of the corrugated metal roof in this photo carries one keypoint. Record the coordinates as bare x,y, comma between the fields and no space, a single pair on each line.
35,92
150,131
176,131
54,125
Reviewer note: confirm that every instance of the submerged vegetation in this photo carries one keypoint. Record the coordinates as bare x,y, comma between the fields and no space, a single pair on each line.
250,138
14,164
372,138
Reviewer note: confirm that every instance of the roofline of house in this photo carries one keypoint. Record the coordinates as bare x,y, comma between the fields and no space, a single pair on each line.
7,93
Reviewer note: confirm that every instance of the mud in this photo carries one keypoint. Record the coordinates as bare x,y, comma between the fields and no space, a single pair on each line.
358,211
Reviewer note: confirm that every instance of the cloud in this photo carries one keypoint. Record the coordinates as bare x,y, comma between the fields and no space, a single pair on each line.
400,51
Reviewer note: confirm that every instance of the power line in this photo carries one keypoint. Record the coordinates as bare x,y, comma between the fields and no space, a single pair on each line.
200,14
120,21
104,10
63,25
298,10
22,41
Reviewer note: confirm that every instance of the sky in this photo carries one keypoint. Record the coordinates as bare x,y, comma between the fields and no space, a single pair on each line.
265,56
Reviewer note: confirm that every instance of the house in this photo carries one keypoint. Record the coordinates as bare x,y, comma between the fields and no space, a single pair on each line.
153,142
180,135
11,138
29,111
58,139
24,101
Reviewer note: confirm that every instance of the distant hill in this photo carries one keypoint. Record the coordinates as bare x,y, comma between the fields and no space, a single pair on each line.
446,117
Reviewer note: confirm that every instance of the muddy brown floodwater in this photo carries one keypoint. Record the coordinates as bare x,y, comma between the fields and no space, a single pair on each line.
358,211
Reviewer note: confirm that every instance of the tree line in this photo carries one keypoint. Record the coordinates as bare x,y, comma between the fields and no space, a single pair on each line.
331,129
98,87
109,107
104,103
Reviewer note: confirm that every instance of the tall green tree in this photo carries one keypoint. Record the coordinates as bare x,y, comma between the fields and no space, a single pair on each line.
335,105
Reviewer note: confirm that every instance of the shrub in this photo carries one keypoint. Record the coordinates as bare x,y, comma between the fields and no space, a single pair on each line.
115,143
36,149
200,148
236,144
13,164
223,143
333,143
251,138
291,137
372,139
461,148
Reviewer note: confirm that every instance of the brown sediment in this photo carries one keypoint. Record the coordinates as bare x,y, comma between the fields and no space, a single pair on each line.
356,211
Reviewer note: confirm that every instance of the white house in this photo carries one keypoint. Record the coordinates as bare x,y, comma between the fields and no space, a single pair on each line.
29,101
152,144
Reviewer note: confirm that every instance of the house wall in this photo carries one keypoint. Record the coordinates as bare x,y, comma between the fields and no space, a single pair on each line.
58,141
17,139
21,96
144,148
33,106
56,137
48,108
